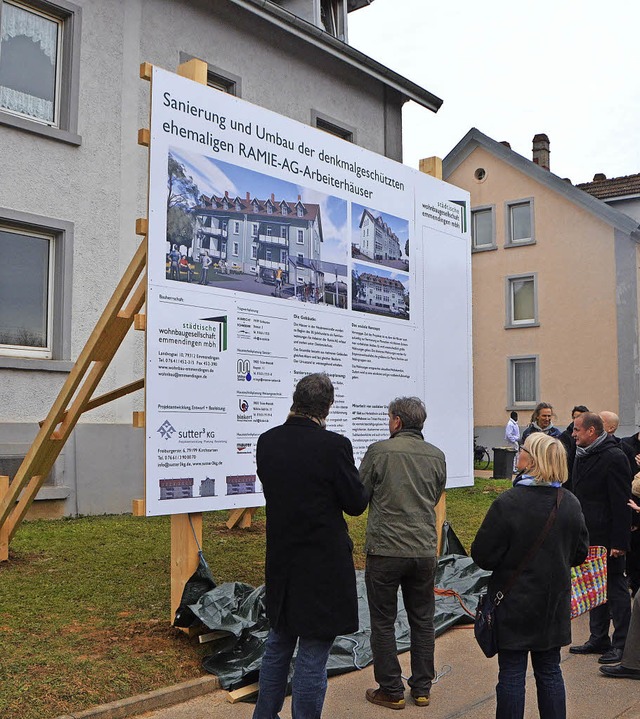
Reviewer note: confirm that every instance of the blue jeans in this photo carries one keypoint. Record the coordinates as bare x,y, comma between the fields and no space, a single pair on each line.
309,683
511,684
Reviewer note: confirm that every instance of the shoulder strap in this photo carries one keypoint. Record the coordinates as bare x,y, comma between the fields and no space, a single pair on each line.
534,547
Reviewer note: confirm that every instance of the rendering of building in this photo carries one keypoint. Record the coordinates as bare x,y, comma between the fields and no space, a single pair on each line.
261,236
377,239
176,488
208,487
555,290
241,484
74,181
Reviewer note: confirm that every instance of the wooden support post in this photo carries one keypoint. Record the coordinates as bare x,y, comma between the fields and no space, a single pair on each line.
241,517
4,529
138,420
184,553
140,322
441,516
138,508
431,166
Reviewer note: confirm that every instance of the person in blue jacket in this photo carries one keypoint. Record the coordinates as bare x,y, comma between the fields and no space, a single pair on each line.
541,421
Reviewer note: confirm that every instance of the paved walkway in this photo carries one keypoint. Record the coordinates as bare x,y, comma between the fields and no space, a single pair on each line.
464,691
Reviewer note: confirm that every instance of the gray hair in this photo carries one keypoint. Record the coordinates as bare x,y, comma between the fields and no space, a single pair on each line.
411,411
313,395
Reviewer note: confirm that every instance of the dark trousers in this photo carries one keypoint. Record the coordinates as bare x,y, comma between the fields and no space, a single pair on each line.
617,608
383,577
510,690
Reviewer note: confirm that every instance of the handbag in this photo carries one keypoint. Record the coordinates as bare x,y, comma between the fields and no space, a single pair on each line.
485,626
589,582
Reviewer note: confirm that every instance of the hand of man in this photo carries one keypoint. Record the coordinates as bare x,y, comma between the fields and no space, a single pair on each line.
633,505
617,553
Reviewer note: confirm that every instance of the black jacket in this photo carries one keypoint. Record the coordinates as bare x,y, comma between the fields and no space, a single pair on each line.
309,479
535,614
602,482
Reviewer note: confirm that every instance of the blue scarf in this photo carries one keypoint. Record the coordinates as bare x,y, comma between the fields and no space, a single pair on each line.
526,480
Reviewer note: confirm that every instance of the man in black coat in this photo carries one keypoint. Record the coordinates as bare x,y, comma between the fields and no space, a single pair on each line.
601,482
309,479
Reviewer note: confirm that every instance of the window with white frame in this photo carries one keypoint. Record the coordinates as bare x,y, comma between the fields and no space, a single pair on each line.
522,300
482,229
300,237
283,231
283,256
269,231
236,249
39,66
255,228
236,227
35,284
520,223
254,251
523,381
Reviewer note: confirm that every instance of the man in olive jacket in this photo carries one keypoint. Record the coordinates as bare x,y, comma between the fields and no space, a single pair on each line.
406,477
601,480
309,479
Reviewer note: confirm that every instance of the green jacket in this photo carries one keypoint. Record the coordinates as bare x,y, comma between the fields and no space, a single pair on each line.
405,477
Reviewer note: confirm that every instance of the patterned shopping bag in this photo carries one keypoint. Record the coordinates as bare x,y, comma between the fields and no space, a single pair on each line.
589,582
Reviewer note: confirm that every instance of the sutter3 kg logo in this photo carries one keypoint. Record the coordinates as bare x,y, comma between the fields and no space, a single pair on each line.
243,404
166,429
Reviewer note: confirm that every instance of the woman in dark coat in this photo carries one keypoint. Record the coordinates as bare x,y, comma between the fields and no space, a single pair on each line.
309,479
534,616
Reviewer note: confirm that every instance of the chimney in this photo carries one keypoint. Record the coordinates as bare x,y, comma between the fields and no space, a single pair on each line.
505,143
248,196
599,177
541,151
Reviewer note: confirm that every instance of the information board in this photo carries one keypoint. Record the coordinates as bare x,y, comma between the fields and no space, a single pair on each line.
276,250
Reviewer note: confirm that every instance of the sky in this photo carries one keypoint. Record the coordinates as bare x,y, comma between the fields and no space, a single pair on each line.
515,68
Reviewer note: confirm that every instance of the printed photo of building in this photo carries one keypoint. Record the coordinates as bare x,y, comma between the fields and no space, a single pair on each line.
379,292
208,487
379,238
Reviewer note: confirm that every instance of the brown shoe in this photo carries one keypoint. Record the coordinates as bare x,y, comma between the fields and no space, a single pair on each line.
382,699
420,699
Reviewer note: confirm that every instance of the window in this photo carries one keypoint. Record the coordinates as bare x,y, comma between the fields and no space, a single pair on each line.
483,229
283,256
236,249
333,127
519,223
522,304
236,227
267,255
332,17
300,258
39,57
283,231
217,77
523,381
35,290
254,251
269,231
300,237
255,227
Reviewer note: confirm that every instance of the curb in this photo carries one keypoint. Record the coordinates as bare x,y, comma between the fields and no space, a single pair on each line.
149,701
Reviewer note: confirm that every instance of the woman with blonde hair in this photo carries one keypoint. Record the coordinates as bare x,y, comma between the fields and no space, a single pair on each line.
530,538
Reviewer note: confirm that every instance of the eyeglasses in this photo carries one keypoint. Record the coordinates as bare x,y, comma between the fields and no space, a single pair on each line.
522,449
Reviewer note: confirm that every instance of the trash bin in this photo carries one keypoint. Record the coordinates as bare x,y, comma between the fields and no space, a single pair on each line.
503,462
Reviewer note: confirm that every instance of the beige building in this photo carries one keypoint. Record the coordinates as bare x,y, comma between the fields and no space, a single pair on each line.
555,290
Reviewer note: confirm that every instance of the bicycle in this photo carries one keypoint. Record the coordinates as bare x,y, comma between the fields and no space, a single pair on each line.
481,456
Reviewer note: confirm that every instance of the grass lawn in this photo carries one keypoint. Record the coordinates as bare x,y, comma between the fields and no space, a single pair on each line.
84,603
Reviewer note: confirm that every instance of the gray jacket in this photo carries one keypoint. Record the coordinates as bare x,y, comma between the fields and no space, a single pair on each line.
405,477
